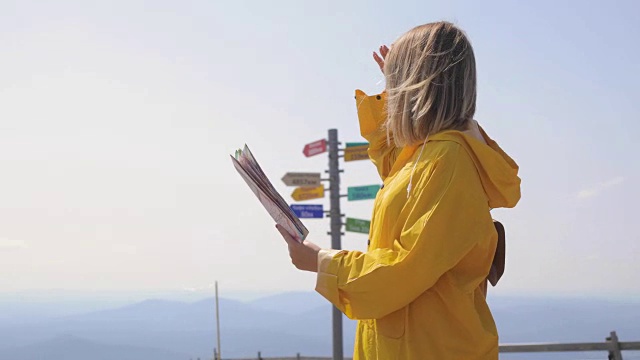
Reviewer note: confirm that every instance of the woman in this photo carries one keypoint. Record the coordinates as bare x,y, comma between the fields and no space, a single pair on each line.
419,290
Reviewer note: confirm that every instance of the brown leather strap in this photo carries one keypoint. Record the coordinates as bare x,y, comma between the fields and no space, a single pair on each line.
497,266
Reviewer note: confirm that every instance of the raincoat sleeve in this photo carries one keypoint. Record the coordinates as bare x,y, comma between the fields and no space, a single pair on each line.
446,212
372,116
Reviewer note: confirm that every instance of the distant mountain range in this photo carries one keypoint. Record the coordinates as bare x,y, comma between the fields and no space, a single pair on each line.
73,348
282,325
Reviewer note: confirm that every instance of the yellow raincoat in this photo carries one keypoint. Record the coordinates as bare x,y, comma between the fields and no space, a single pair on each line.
419,290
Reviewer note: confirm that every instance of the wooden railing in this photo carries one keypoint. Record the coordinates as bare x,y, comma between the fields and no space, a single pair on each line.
612,345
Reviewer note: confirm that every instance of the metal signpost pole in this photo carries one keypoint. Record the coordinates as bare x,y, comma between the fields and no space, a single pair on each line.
336,230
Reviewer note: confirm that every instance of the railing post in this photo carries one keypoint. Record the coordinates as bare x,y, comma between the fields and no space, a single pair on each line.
614,349
298,356
259,356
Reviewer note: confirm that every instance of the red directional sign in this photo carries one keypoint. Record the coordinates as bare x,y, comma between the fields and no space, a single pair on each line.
315,148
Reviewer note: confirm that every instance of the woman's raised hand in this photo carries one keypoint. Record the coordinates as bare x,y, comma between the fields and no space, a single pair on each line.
384,50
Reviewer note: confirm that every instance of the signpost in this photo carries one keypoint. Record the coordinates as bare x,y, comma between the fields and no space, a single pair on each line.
355,153
358,225
309,186
301,179
362,192
308,193
315,148
336,233
308,211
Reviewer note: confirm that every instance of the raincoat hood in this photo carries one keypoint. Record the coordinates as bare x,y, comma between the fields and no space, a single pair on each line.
498,172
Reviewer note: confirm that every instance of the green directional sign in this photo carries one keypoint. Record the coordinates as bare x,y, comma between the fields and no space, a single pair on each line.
362,192
358,225
352,144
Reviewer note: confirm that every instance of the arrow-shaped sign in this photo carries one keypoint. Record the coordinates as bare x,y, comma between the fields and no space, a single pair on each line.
362,192
315,148
355,153
302,179
308,211
357,225
308,193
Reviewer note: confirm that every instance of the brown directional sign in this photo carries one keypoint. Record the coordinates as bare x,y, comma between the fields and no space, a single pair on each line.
301,179
355,153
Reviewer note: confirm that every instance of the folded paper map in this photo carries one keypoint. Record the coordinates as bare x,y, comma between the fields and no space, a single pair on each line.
275,205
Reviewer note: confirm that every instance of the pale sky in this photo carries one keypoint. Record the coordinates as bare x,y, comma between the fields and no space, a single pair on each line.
117,119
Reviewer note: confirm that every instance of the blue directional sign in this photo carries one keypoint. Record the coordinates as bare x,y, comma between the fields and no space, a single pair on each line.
308,211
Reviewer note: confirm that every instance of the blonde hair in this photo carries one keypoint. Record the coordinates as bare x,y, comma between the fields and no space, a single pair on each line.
431,83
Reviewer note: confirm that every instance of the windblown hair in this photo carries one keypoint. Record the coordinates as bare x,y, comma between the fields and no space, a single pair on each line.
431,83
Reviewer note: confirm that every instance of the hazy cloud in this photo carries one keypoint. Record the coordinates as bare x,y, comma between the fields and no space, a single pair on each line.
201,288
595,190
125,249
8,244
